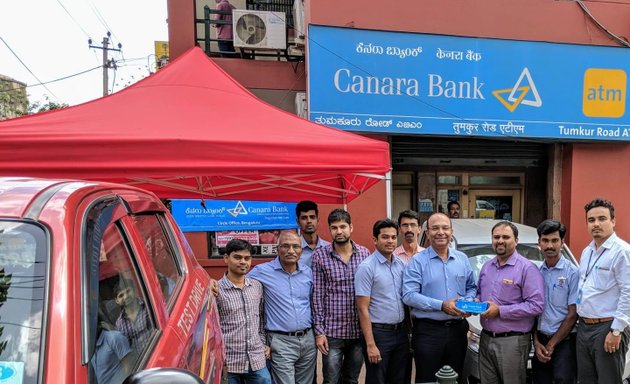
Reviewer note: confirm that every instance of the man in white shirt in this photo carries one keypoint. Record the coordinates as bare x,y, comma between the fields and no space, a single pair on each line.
603,300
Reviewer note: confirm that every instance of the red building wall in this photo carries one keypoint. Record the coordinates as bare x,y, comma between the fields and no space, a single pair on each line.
595,170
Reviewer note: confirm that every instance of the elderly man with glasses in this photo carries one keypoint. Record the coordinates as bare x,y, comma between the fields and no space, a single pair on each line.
288,285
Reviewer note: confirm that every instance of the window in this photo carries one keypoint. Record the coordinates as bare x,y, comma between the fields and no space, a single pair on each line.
164,258
120,322
23,266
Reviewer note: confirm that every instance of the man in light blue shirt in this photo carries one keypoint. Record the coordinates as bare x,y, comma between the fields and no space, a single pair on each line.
434,280
603,301
554,341
307,214
288,286
378,291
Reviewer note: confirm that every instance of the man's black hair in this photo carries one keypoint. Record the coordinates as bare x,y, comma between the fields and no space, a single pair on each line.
551,226
305,206
408,214
599,202
339,215
506,224
236,245
451,203
384,223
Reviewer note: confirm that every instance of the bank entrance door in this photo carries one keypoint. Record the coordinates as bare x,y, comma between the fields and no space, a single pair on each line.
495,204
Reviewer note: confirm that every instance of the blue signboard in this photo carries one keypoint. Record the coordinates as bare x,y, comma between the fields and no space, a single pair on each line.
223,215
392,82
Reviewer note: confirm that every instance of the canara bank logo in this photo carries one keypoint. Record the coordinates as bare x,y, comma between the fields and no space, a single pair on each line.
523,87
239,209
604,93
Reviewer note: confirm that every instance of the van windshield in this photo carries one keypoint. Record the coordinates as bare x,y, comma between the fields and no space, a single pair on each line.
23,270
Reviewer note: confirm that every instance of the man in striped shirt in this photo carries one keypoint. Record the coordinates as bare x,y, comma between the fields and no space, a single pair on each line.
240,305
335,312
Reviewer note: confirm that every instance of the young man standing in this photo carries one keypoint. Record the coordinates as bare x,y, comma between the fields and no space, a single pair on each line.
603,301
514,289
409,228
287,289
378,285
240,305
335,311
554,339
307,214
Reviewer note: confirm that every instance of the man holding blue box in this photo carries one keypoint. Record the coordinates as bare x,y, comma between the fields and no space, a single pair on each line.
434,280
514,290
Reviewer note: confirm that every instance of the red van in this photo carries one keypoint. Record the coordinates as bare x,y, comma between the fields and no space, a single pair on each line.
97,283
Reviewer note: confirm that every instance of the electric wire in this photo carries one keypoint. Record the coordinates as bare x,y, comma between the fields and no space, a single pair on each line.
600,25
28,69
73,19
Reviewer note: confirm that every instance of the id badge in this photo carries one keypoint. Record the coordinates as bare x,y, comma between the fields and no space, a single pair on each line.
579,296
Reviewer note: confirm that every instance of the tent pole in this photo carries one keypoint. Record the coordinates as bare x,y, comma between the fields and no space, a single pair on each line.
388,193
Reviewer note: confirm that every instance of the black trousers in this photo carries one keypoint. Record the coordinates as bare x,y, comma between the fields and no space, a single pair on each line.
394,348
439,343
562,368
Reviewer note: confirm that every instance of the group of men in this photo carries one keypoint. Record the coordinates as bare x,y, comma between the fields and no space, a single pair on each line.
357,307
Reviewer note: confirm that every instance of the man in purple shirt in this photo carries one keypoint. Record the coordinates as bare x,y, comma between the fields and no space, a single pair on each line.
334,308
513,287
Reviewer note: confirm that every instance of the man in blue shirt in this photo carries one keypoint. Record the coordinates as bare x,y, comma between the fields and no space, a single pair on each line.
288,286
554,341
307,214
434,280
603,302
378,291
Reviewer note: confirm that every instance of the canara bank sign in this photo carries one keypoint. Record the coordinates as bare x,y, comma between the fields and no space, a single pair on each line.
220,215
390,82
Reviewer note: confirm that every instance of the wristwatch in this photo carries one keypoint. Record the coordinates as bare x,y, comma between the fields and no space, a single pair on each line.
615,332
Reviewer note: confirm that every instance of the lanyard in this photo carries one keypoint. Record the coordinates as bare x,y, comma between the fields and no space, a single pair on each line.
589,269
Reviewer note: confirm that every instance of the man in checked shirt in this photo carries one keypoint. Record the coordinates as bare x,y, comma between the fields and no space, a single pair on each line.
240,305
335,312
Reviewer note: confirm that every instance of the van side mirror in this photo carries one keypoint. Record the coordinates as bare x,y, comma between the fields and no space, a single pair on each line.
163,376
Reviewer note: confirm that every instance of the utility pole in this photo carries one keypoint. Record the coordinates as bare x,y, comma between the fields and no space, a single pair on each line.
107,64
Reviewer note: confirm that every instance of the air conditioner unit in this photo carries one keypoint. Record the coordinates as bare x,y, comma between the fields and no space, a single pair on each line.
301,105
298,22
259,29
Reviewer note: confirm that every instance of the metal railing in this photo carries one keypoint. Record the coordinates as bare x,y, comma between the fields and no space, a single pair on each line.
210,19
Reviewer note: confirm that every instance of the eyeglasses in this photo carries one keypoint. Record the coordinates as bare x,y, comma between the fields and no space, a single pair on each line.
409,225
286,247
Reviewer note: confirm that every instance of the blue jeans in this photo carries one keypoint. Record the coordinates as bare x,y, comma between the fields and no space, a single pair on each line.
260,376
343,363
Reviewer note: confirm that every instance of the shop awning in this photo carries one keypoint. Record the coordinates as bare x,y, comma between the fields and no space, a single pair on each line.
191,131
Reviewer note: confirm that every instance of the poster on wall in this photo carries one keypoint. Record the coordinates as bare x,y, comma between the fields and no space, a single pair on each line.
232,215
419,84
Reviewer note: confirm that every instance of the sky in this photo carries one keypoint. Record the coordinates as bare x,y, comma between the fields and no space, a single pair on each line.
53,43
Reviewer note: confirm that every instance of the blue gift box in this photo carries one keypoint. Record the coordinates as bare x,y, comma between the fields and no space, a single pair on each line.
471,306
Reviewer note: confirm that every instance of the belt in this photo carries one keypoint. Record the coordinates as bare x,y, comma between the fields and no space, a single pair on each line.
443,323
588,321
389,327
504,334
299,333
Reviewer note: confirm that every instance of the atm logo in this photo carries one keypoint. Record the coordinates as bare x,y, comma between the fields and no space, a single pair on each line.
604,93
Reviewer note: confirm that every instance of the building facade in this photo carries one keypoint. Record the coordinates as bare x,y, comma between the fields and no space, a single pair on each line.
514,109
13,99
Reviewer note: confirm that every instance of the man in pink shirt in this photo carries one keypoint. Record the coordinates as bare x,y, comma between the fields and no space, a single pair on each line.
409,228
224,31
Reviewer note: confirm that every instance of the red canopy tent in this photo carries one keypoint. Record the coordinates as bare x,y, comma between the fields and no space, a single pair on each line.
191,131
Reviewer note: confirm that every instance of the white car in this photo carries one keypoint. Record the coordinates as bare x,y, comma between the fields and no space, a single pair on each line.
473,237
